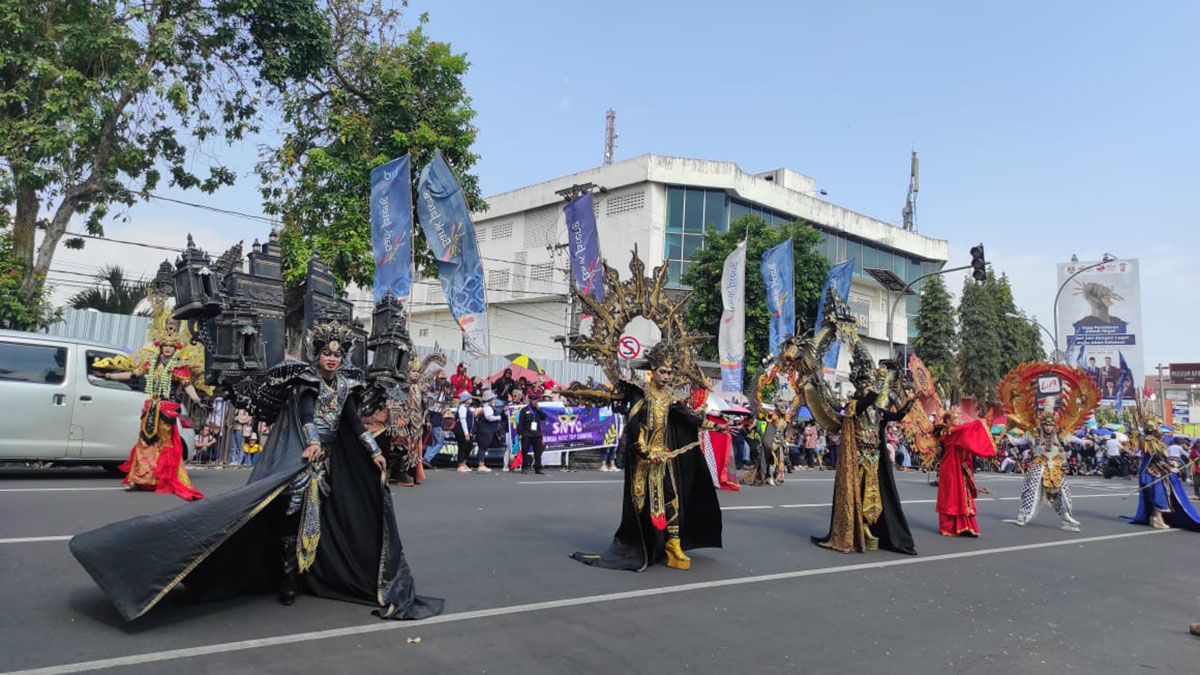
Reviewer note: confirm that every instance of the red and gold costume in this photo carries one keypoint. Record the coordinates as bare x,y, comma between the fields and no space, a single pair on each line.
956,477
156,461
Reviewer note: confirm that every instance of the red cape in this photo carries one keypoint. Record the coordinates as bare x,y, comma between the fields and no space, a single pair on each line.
956,477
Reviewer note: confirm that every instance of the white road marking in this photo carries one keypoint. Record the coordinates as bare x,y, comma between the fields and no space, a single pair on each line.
30,540
747,508
381,626
59,489
566,482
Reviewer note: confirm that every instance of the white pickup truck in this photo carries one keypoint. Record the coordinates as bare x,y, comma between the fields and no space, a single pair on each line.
52,409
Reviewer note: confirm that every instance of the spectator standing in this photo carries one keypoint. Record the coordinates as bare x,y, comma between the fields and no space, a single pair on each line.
810,446
242,422
504,385
464,426
477,387
529,427
460,380
205,441
1112,451
487,428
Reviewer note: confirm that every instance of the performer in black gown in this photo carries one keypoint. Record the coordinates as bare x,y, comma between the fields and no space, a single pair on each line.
669,504
317,499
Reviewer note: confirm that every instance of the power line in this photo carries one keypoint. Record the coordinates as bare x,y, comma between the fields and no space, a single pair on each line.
239,214
122,241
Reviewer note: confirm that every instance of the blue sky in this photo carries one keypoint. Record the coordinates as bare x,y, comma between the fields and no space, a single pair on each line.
1044,129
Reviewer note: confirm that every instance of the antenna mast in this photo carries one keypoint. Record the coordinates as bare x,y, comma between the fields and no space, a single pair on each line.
610,135
909,214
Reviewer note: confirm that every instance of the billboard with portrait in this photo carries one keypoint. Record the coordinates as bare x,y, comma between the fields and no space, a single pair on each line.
1100,313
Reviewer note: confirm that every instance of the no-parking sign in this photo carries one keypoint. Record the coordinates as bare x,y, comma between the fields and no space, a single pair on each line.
628,347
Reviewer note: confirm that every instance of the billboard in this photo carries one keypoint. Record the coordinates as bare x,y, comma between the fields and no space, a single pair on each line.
1100,313
1185,373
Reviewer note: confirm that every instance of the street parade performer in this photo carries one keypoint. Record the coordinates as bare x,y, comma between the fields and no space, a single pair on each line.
1062,412
398,419
1162,501
669,503
316,501
867,514
961,443
172,365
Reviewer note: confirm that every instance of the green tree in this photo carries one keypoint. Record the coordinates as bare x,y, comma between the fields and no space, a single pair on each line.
114,292
704,278
937,339
100,97
980,354
18,311
1020,338
385,93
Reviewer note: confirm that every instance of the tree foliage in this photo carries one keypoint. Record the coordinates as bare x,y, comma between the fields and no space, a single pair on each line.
385,93
114,292
17,311
100,98
937,338
704,278
994,335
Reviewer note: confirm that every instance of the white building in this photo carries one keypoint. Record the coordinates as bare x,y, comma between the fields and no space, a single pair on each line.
663,206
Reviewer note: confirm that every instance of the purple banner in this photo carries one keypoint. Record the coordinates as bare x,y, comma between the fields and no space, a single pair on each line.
584,245
566,426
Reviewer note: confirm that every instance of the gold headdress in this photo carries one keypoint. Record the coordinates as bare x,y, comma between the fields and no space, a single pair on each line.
645,297
332,334
163,330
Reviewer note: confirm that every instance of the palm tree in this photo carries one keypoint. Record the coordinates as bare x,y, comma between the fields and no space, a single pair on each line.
114,293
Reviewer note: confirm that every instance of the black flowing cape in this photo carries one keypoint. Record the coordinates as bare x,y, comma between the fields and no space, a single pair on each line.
892,526
229,544
637,543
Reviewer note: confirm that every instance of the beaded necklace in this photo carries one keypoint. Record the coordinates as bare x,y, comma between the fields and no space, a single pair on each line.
158,381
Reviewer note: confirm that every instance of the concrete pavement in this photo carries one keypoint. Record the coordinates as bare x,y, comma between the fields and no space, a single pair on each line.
1114,598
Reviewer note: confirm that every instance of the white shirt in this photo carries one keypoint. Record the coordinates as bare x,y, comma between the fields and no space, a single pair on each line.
489,413
1174,450
1112,447
462,418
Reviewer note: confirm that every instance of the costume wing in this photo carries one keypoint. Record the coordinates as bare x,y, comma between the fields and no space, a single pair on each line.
264,395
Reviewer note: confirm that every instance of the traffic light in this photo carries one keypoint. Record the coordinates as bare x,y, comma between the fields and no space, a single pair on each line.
978,264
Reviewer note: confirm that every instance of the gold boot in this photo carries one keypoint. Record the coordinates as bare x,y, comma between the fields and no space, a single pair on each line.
676,558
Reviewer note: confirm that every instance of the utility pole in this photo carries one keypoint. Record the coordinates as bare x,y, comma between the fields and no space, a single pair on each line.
610,135
1162,394
909,214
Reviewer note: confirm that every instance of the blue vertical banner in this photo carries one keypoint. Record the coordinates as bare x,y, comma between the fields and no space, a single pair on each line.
781,299
1125,377
446,222
584,245
838,279
391,228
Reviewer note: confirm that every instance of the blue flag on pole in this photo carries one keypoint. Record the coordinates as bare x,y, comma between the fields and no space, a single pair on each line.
1126,374
446,222
781,298
391,228
585,247
839,279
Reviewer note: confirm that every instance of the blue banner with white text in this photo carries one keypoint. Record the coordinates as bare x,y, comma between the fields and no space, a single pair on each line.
446,221
584,246
781,300
839,279
391,228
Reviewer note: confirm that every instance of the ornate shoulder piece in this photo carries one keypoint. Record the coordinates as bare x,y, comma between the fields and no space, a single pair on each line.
265,394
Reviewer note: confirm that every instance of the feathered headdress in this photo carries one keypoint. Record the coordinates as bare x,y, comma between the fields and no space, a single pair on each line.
1018,393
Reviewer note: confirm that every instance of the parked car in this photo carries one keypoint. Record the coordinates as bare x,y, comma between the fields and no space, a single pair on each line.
54,408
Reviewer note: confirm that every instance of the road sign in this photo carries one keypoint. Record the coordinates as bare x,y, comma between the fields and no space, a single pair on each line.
628,347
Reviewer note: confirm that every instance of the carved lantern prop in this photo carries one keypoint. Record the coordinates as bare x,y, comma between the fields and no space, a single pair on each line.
238,349
197,290
389,342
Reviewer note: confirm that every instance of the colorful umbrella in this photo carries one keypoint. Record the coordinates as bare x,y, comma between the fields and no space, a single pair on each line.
524,361
997,428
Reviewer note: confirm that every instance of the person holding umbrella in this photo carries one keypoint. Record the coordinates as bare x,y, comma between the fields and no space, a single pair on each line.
529,427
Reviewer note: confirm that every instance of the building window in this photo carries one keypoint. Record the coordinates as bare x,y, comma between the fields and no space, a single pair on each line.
497,280
502,231
424,332
541,272
624,203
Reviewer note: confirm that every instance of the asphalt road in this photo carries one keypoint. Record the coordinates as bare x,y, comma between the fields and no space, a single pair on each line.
1114,598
